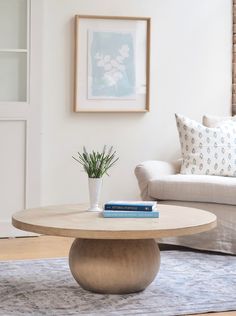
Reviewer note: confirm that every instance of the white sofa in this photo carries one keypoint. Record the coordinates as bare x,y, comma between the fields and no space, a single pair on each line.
161,181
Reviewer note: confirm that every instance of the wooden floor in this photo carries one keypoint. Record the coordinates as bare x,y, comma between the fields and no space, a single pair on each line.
34,247
48,247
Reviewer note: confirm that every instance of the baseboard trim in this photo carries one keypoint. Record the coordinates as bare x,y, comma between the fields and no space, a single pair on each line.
7,230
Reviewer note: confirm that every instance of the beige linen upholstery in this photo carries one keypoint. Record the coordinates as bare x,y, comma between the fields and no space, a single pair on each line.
222,238
214,121
152,169
197,188
159,180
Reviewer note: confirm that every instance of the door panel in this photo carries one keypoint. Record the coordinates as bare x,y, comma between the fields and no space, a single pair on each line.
12,171
20,109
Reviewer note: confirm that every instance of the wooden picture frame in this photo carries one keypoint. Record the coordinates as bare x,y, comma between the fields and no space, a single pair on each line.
112,64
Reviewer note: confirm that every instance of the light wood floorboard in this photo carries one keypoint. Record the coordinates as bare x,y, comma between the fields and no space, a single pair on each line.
34,247
48,247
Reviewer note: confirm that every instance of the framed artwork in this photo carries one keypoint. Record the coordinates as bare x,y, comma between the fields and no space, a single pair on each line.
112,61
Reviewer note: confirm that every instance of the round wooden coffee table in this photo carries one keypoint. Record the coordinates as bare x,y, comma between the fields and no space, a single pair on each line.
113,255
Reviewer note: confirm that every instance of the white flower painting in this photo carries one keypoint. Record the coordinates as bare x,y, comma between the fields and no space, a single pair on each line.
111,65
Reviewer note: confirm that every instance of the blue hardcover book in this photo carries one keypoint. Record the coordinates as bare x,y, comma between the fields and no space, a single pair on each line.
132,214
146,206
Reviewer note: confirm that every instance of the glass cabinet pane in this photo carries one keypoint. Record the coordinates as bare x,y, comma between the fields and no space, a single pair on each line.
13,24
13,76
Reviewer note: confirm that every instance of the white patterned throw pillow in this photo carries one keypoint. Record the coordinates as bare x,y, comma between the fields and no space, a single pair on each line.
208,151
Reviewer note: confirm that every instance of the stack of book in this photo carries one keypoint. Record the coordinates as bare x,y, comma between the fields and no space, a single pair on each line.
130,209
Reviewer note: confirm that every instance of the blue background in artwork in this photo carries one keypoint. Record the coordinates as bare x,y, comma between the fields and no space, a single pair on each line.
109,43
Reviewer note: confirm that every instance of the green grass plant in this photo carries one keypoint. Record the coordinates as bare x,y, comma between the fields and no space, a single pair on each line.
96,163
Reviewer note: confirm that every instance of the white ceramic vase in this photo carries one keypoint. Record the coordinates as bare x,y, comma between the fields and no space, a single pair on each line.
95,185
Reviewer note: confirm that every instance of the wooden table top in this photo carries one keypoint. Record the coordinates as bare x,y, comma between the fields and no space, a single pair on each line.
75,221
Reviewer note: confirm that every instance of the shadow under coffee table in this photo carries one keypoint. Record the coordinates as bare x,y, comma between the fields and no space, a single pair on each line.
113,255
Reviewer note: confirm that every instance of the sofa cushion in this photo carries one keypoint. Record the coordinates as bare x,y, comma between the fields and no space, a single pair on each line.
197,188
214,121
209,151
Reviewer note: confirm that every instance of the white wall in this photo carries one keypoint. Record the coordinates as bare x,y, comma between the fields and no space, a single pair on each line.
190,74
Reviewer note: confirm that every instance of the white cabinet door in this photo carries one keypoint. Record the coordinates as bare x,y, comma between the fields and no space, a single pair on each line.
20,107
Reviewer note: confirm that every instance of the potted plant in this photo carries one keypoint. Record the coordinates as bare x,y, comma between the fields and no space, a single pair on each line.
96,164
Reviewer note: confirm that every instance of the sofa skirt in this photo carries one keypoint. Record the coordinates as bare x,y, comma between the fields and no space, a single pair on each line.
221,239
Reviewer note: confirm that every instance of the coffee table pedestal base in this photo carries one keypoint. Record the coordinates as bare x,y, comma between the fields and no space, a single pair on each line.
114,266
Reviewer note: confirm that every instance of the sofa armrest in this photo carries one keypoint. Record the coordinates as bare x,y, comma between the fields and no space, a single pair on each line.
151,169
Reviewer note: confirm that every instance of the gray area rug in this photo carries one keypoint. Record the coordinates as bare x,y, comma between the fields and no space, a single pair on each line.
187,283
